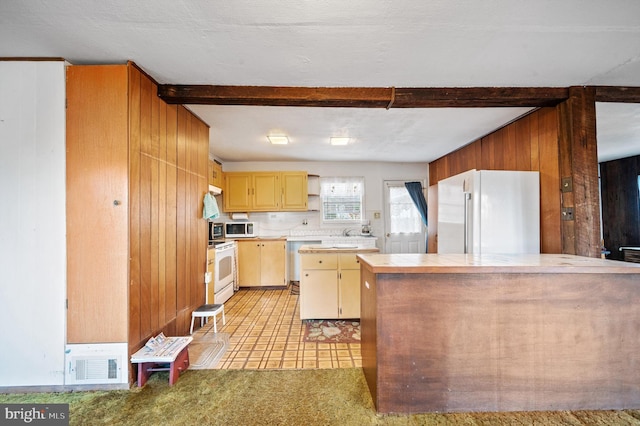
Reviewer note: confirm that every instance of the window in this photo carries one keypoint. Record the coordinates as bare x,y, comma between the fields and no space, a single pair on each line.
342,199
405,217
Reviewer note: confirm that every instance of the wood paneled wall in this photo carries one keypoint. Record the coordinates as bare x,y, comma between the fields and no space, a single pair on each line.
168,172
620,204
530,143
136,177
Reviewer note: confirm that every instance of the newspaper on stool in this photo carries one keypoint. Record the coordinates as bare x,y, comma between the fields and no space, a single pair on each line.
162,350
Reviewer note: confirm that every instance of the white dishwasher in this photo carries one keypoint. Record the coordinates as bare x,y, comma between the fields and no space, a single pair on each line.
293,246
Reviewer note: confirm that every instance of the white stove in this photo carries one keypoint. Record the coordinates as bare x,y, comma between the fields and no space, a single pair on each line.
224,271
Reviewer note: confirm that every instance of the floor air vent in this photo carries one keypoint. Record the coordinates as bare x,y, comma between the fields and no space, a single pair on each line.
96,369
96,364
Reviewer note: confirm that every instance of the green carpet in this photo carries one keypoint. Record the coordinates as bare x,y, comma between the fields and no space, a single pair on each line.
276,397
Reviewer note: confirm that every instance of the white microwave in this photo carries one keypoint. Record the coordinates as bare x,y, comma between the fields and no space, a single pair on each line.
239,229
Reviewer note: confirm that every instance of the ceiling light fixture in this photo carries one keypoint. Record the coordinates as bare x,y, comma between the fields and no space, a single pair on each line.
278,140
339,141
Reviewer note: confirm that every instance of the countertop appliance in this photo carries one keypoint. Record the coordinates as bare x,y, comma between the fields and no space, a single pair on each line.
216,232
239,229
489,211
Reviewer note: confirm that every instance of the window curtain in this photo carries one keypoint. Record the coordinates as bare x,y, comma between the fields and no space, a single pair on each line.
415,191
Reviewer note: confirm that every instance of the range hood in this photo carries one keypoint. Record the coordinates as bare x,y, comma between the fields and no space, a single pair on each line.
215,190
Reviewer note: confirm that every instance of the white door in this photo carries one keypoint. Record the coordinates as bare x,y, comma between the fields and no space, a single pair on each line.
405,231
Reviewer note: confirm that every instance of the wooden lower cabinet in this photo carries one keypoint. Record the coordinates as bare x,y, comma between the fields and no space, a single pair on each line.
329,286
261,263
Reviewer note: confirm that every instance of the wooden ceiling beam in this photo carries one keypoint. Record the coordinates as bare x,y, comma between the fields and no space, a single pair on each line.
622,94
364,97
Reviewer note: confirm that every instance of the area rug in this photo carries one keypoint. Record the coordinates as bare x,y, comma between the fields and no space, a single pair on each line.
332,331
206,350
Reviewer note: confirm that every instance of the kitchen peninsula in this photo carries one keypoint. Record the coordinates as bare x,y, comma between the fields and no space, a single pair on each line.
447,333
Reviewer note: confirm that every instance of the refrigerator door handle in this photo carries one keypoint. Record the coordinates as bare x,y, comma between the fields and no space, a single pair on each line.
467,197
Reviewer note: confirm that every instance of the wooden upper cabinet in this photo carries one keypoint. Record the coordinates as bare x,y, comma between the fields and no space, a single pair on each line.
294,191
210,172
265,191
218,180
237,195
215,174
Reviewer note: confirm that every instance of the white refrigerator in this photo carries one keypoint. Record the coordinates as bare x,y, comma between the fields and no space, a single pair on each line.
489,212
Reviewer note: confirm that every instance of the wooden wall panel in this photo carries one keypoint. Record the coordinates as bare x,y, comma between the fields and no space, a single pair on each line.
521,137
181,152
135,333
182,240
172,135
146,94
510,144
162,213
534,138
171,215
546,135
97,171
145,245
196,280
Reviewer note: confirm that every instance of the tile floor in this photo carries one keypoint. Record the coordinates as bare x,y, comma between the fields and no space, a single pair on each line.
266,333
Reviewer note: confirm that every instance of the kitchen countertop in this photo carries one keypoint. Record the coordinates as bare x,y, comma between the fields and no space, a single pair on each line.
328,237
274,238
413,263
337,248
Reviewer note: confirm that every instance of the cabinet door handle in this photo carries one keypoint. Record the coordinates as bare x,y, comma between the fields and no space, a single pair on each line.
319,261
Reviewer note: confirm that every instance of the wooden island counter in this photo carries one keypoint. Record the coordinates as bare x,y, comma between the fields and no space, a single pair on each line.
447,333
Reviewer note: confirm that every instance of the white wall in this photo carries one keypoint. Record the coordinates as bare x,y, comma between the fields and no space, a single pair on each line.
374,174
32,223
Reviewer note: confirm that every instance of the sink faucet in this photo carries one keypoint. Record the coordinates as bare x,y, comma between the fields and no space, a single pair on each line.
345,232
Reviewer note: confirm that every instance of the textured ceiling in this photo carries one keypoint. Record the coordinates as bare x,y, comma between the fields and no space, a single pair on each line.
334,43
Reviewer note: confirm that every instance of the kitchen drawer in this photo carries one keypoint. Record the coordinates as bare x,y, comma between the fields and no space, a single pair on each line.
349,261
319,261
